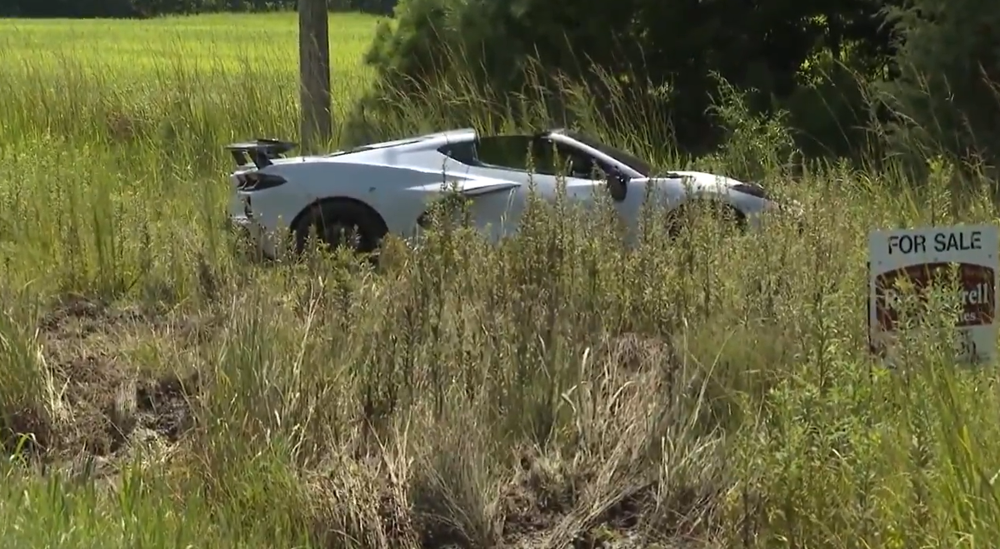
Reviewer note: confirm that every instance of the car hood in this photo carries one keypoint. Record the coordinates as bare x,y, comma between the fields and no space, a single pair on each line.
702,180
709,183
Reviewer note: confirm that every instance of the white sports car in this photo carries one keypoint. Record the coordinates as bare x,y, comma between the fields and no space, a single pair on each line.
387,187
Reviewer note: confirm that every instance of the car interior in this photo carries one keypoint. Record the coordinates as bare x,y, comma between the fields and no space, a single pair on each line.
526,153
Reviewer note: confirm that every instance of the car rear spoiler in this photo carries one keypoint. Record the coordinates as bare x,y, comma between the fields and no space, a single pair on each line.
260,151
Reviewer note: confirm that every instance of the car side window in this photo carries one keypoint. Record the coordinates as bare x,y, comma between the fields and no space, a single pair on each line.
538,155
504,151
462,152
569,161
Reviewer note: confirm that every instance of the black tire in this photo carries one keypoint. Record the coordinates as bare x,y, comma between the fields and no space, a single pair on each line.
338,223
723,212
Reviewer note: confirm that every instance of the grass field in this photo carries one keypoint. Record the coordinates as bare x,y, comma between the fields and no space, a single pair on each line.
554,392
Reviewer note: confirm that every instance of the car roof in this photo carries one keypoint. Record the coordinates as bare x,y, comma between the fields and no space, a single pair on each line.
436,139
421,141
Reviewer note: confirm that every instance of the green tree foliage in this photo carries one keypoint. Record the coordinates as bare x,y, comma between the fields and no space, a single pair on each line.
682,46
945,94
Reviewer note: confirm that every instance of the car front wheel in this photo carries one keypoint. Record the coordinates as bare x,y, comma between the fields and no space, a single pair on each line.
723,213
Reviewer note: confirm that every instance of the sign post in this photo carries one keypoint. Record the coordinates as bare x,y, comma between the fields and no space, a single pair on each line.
924,256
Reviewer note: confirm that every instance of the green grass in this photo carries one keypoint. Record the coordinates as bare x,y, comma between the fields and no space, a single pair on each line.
134,77
708,392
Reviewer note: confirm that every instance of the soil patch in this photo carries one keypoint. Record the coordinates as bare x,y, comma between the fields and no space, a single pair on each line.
105,400
164,405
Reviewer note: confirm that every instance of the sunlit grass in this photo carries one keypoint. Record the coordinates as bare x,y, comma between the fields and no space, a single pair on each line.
68,78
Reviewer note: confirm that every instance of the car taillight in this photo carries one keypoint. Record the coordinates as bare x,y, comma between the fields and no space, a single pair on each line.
257,181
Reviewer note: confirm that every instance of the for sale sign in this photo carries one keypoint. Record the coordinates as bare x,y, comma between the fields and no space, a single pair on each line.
915,260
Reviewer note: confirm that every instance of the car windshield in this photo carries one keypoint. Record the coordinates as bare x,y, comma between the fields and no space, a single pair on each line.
629,160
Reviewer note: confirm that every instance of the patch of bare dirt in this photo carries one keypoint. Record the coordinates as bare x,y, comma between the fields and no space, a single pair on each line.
107,402
164,405
542,495
536,499
23,422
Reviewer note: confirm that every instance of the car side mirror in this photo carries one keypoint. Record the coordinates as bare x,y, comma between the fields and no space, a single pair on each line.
617,185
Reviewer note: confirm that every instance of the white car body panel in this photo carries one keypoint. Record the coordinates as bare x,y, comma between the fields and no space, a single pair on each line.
400,179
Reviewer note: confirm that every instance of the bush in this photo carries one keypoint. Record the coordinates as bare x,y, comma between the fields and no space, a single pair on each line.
623,43
945,97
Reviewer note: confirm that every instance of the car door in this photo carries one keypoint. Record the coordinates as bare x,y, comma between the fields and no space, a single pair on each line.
587,175
582,173
538,164
506,158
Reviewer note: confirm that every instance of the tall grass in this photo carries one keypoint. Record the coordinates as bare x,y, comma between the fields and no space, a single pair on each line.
709,391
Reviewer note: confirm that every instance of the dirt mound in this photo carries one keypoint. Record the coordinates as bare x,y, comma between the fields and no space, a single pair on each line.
106,401
111,407
164,405
536,499
543,506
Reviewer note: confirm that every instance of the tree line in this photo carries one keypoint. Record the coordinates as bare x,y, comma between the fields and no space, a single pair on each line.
153,8
848,78
920,71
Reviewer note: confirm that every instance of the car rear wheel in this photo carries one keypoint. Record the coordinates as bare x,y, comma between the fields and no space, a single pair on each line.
341,223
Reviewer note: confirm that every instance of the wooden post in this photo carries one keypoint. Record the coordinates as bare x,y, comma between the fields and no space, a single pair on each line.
314,74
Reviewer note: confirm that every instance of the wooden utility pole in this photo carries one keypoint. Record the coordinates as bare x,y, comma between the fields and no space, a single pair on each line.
314,73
